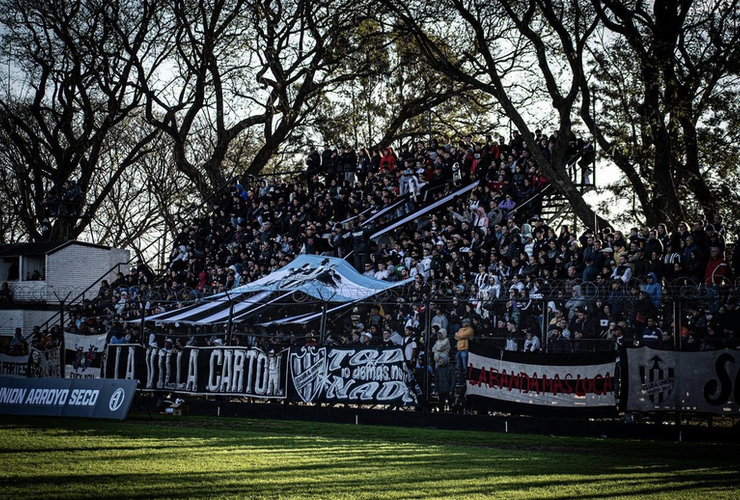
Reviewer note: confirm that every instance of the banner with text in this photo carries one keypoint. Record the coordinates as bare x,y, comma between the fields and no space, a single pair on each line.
84,355
44,363
346,375
703,382
574,381
228,371
13,366
66,397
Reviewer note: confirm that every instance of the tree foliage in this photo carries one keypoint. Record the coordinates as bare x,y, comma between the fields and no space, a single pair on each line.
101,92
666,79
519,53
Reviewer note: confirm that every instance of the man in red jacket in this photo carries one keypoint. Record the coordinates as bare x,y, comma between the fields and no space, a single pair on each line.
716,275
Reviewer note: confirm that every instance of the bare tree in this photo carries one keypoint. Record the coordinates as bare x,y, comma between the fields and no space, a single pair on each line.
69,92
236,66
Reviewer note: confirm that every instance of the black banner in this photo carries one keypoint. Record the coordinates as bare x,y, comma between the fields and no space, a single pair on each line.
228,371
66,397
346,375
700,382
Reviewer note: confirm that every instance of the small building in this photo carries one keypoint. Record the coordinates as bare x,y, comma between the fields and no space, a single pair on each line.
41,275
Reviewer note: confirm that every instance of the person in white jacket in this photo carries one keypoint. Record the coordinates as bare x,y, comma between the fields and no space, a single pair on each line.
532,344
441,346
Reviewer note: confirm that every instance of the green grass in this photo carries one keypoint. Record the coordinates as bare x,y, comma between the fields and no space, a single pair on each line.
200,458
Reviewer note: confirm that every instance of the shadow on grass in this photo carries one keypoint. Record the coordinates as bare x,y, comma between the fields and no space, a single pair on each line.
194,459
261,485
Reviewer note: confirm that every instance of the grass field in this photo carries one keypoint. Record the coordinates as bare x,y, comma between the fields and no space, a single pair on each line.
201,458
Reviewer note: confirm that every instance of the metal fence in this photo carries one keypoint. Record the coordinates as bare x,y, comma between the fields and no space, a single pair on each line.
563,317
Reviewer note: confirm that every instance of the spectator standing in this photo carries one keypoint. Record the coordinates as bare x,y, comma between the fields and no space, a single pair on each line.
716,275
444,380
463,336
6,295
441,345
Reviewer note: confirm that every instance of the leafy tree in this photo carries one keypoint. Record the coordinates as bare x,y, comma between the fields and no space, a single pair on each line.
519,53
666,80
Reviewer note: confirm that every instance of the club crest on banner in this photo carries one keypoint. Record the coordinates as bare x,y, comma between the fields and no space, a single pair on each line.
325,273
84,360
658,380
308,372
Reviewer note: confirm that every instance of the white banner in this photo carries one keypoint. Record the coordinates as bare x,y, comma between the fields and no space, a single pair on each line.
703,382
566,386
13,366
84,355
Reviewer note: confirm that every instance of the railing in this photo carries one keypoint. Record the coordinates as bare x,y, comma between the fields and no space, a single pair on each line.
690,315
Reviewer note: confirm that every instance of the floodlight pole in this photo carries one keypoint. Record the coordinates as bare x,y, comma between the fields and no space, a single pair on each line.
61,326
322,328
230,324
427,341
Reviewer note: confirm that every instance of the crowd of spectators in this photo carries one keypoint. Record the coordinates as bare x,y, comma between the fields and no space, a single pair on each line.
485,261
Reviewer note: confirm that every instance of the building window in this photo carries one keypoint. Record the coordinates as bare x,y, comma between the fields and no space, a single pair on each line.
10,269
34,268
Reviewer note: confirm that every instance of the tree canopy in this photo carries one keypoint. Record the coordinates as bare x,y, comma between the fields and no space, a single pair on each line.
100,92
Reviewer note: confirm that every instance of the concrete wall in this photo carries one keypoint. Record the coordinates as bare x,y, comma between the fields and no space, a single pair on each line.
10,319
68,271
76,267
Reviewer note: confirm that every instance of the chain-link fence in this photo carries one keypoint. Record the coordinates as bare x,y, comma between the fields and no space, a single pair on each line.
559,317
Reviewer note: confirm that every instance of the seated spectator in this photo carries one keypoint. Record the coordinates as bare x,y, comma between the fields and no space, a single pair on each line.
18,343
558,343
666,342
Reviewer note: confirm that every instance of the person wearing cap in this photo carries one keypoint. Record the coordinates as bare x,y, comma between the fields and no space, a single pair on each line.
365,338
444,381
619,338
652,333
463,336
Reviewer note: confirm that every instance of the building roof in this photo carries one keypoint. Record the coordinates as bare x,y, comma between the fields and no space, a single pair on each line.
20,249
